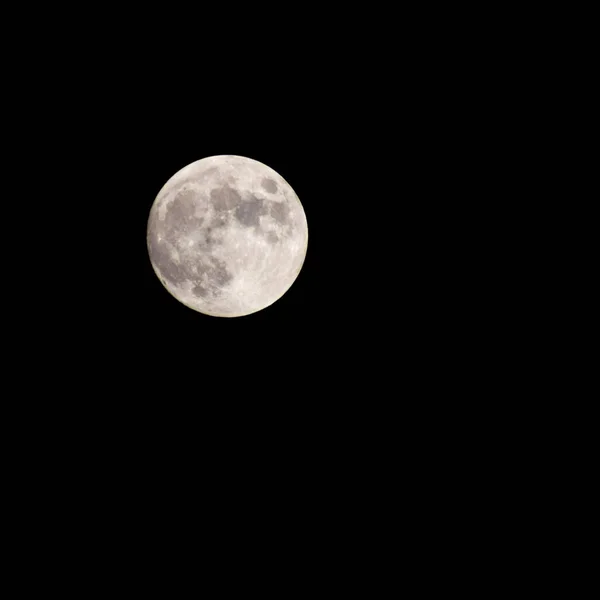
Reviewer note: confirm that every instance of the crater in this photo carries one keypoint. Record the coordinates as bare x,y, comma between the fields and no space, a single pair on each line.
269,185
224,198
248,212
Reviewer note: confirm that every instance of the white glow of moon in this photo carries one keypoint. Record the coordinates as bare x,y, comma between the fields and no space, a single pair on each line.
227,236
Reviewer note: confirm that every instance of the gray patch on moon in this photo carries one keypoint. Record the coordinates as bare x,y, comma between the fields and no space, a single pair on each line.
280,211
209,171
184,203
180,217
207,274
249,211
219,272
219,221
172,271
207,243
199,291
269,185
224,198
272,237
211,278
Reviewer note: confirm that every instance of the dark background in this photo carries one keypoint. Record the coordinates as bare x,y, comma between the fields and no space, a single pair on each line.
373,396
353,121
381,128
325,120
396,134
394,131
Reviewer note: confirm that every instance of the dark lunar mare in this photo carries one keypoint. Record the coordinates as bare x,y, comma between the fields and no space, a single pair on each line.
180,219
224,198
280,211
269,185
159,253
272,237
250,210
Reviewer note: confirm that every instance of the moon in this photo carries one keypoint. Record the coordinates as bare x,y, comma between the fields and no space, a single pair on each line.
227,236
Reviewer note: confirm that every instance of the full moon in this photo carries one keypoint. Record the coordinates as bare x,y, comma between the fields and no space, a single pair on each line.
227,236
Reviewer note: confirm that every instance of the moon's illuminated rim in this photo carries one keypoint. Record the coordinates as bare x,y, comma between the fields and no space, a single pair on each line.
257,228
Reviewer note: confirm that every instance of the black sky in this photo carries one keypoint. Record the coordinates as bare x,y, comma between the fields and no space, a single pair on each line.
357,398
366,123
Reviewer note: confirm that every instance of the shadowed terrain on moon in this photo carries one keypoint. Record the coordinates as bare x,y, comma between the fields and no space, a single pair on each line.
216,228
206,272
269,185
224,198
249,212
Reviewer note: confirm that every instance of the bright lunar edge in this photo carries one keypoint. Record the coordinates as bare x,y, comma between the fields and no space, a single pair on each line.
227,236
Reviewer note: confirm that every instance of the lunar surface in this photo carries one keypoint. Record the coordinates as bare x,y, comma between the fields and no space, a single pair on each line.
227,236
